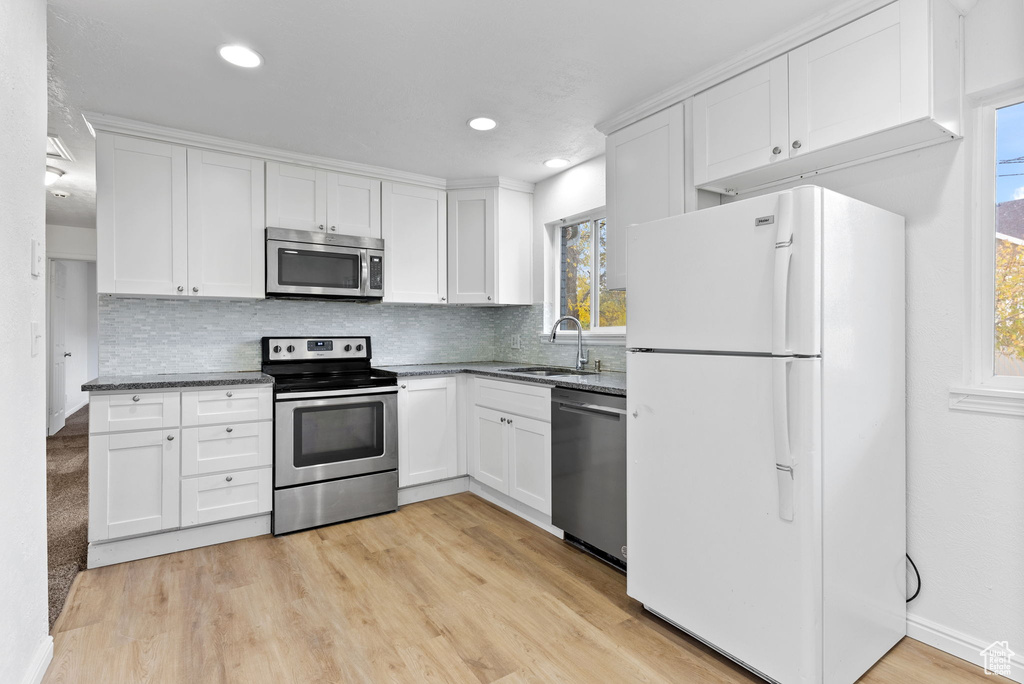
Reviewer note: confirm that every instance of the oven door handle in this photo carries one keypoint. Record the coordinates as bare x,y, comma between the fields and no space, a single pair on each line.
328,394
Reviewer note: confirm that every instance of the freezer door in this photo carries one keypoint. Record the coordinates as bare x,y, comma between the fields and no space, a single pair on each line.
741,277
719,543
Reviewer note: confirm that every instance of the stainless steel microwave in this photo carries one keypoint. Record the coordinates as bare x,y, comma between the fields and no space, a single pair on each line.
304,264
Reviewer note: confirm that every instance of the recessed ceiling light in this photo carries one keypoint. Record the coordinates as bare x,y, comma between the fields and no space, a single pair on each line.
482,123
53,174
556,163
239,55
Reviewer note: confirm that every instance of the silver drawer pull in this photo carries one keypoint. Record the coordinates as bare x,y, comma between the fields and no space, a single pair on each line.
229,394
170,438
230,429
135,398
228,478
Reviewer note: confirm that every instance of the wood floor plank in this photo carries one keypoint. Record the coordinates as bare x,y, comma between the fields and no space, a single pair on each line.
447,590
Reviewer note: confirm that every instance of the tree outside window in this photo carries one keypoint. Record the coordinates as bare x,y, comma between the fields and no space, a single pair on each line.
1009,253
583,287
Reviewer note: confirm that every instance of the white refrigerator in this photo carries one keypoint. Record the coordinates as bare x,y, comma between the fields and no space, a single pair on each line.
766,435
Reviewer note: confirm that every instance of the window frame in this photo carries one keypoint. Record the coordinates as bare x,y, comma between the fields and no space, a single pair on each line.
982,390
553,298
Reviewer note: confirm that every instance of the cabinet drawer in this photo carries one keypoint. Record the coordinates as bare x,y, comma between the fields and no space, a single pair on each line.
226,447
142,411
530,401
229,495
228,405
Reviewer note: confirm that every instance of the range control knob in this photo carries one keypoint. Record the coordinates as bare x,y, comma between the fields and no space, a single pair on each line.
359,347
348,347
291,348
277,349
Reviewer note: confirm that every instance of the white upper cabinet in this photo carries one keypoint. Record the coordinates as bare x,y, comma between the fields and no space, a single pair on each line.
745,122
304,198
141,216
644,181
225,225
490,246
414,226
885,83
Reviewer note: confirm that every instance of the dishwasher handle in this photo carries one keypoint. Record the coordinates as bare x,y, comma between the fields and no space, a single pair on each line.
590,409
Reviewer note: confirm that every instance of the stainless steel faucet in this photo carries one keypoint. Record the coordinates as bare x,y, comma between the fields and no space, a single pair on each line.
581,356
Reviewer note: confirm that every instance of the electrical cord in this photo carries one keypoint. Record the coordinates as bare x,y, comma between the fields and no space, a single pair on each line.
918,574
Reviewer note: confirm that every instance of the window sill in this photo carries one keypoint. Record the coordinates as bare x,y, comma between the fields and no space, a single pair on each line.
999,401
591,339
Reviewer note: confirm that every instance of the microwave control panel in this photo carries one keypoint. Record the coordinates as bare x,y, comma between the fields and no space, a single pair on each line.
376,273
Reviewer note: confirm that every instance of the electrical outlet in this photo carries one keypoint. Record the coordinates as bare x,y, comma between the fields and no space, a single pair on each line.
516,342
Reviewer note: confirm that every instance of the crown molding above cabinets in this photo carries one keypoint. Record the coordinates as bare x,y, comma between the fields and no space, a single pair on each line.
122,126
491,182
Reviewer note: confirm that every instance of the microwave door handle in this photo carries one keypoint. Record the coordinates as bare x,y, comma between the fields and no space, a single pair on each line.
364,280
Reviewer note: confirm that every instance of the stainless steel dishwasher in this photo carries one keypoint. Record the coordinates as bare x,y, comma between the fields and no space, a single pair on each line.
588,471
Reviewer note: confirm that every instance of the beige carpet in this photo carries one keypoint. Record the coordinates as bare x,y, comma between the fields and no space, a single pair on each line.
67,506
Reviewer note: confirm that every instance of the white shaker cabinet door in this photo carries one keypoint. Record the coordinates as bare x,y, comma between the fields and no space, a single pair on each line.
427,447
849,82
530,462
472,218
133,483
741,124
226,496
414,225
296,197
489,448
644,181
225,225
353,205
141,216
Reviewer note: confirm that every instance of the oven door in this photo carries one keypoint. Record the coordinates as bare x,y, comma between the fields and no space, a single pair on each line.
300,268
329,435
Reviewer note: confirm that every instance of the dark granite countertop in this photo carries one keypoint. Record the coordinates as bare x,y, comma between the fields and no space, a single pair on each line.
118,383
606,382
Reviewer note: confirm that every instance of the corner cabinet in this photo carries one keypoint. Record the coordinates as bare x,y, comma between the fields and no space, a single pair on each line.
644,181
176,221
879,85
490,246
427,430
304,198
414,225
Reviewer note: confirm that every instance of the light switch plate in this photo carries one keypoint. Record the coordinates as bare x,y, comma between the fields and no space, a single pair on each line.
37,259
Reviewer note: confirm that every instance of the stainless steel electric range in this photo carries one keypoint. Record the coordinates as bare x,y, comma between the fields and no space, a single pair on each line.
335,432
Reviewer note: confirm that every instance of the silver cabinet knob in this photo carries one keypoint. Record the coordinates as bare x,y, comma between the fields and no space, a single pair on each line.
170,438
636,414
509,421
321,226
797,145
229,394
488,297
136,398
181,288
502,420
403,386
333,229
229,429
444,299
195,289
776,150
228,478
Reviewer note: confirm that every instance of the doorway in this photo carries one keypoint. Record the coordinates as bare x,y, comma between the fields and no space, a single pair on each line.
72,350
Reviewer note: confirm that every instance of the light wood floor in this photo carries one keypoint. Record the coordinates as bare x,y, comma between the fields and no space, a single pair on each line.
452,590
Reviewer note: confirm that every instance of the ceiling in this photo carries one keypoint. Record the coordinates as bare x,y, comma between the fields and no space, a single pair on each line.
386,83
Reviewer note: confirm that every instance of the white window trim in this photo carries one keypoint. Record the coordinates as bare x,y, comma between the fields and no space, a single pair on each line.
982,391
600,336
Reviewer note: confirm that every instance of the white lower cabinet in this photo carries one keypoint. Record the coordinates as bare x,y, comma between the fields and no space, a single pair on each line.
427,432
133,483
233,405
219,448
508,451
225,496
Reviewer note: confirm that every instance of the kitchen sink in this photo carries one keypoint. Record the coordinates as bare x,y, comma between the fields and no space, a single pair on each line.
545,371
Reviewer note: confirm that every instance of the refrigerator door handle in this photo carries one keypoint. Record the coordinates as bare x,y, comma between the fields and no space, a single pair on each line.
780,290
783,453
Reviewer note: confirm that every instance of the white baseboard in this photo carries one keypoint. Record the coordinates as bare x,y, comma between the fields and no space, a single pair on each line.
527,513
433,490
40,661
71,411
961,645
134,548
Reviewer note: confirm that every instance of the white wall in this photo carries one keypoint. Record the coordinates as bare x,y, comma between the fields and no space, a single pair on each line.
70,242
24,643
79,331
995,51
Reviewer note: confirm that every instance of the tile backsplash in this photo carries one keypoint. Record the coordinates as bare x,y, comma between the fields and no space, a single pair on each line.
144,336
